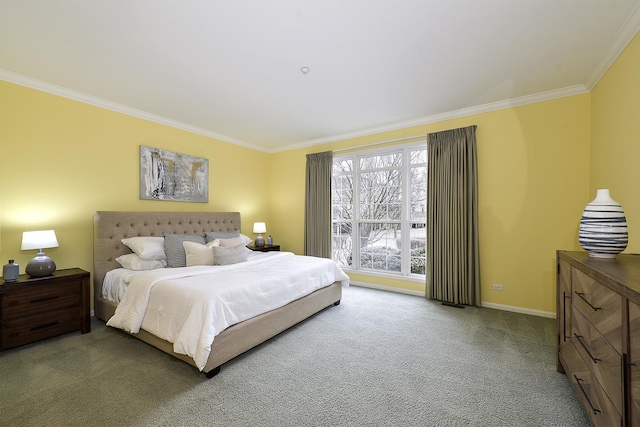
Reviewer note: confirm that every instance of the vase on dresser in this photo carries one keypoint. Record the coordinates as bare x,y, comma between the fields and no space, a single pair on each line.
603,227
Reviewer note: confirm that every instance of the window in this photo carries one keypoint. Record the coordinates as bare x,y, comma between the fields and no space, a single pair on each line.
379,210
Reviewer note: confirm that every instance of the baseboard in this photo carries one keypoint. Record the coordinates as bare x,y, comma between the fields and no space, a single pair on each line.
387,288
494,306
514,309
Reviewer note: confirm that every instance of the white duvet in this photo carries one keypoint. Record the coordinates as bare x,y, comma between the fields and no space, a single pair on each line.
189,306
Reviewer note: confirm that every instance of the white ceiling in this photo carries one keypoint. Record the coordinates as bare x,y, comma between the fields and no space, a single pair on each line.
231,69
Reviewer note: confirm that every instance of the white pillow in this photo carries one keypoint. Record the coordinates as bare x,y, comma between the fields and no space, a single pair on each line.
246,240
147,247
134,262
199,254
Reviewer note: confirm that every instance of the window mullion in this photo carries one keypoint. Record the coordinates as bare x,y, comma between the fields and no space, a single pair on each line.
406,202
355,225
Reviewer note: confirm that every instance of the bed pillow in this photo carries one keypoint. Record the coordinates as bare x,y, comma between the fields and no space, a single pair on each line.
134,262
211,235
176,256
235,241
199,254
232,255
146,247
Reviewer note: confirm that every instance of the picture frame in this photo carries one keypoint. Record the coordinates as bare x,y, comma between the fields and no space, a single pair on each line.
169,176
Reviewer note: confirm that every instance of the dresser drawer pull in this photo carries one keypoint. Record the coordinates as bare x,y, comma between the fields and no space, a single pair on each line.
564,316
35,301
47,325
581,295
580,337
579,381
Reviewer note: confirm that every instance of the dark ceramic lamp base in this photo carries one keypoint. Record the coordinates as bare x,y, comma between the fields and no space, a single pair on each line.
40,266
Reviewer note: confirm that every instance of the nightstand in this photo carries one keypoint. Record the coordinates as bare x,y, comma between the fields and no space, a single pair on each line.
32,309
265,248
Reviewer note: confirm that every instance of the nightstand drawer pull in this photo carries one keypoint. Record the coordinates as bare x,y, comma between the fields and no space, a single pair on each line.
580,337
47,325
579,381
581,295
35,301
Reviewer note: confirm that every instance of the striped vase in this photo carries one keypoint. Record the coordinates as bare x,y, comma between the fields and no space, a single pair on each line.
603,227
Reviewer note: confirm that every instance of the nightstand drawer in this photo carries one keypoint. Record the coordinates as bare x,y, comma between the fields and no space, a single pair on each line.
34,328
42,298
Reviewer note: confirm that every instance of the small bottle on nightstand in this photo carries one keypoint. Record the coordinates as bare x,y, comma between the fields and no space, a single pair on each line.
269,241
10,272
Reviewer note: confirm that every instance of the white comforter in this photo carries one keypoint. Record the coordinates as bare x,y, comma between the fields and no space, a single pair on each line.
189,306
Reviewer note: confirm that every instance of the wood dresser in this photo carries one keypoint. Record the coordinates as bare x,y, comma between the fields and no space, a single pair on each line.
598,324
32,309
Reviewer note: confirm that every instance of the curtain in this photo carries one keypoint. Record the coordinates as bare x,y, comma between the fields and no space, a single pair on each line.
453,271
317,214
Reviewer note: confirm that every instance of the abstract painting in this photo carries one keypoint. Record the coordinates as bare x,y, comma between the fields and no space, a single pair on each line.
165,175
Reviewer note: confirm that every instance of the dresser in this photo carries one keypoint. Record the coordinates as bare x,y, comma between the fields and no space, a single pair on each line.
598,325
32,309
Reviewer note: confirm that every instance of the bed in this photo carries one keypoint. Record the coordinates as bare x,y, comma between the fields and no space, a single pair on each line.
110,227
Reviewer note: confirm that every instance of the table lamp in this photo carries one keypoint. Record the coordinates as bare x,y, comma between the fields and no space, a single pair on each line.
259,227
41,265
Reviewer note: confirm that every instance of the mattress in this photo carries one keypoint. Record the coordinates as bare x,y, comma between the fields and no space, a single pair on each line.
189,306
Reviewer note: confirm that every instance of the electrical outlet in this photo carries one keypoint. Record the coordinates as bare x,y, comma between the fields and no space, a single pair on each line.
498,287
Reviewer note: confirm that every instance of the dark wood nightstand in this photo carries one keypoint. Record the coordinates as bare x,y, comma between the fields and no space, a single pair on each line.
32,309
265,248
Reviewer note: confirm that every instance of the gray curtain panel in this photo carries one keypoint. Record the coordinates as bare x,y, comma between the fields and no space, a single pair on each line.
453,269
317,214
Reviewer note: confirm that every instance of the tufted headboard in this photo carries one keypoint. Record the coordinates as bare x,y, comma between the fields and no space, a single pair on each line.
109,227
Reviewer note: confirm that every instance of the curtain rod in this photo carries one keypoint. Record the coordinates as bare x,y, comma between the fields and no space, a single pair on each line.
380,143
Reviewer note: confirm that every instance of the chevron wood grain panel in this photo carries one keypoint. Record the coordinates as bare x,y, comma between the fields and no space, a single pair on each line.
634,364
598,407
563,308
600,305
604,362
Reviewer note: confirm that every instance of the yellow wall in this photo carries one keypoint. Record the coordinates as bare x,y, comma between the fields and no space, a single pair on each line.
62,160
615,140
533,178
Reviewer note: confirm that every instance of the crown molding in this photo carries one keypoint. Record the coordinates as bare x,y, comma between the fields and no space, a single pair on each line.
113,106
465,112
622,39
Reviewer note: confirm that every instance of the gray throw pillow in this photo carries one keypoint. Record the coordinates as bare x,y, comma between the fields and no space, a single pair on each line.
212,235
232,255
176,256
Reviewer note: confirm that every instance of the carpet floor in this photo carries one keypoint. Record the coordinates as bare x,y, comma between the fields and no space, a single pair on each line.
377,359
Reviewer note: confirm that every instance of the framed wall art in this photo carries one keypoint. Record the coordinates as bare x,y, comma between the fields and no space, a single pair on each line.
165,175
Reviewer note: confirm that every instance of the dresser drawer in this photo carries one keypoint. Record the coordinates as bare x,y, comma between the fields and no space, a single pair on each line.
41,298
28,329
598,407
634,364
600,305
602,360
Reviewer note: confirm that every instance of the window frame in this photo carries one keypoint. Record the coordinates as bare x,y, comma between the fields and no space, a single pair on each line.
405,222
